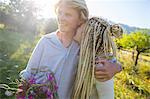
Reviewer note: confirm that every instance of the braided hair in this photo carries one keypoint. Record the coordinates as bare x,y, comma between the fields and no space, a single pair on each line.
96,41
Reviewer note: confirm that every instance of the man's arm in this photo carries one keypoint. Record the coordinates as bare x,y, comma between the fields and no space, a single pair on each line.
107,71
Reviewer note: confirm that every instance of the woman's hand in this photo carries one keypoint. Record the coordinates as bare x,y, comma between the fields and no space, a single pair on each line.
107,71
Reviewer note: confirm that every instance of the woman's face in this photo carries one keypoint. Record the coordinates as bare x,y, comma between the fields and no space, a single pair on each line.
79,32
68,18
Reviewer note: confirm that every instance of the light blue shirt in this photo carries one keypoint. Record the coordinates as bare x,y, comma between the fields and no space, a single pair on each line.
49,53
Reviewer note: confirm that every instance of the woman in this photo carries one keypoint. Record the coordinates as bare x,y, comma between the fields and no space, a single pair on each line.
58,51
96,41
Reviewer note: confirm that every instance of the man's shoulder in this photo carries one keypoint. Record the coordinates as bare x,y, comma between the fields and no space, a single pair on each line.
49,35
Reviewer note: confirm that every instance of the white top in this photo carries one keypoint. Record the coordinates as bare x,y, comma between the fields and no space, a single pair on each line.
49,53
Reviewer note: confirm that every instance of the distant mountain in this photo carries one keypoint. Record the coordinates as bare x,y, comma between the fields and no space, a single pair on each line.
128,29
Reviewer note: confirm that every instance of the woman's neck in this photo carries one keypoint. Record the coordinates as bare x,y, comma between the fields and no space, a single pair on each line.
65,38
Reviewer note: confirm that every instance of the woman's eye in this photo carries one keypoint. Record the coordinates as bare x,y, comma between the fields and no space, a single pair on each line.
67,14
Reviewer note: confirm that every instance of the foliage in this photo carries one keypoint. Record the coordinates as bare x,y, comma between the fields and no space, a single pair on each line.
130,84
19,15
11,58
51,25
139,41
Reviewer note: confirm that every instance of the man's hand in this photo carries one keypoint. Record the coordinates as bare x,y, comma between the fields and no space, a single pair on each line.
107,71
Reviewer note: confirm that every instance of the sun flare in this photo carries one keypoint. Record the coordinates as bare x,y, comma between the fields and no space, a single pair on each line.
46,8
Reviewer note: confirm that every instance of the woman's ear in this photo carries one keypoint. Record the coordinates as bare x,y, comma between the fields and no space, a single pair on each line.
82,21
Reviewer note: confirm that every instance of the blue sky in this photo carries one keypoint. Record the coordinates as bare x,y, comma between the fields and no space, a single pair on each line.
131,12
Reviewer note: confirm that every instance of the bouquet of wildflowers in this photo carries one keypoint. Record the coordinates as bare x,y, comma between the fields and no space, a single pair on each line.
41,85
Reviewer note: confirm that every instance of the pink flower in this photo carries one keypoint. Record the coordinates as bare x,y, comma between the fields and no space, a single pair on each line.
32,80
48,88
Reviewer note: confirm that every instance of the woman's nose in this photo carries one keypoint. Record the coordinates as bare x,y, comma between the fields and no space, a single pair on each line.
61,17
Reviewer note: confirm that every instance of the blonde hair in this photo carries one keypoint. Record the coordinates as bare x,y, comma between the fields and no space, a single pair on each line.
80,5
96,41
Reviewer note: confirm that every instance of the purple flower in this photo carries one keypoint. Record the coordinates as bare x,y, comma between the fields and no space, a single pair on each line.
47,88
30,97
49,94
56,87
32,80
50,77
20,97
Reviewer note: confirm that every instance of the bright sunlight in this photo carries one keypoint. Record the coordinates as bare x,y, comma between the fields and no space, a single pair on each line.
46,8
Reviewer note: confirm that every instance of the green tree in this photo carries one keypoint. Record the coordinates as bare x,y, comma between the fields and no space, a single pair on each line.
19,14
139,41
